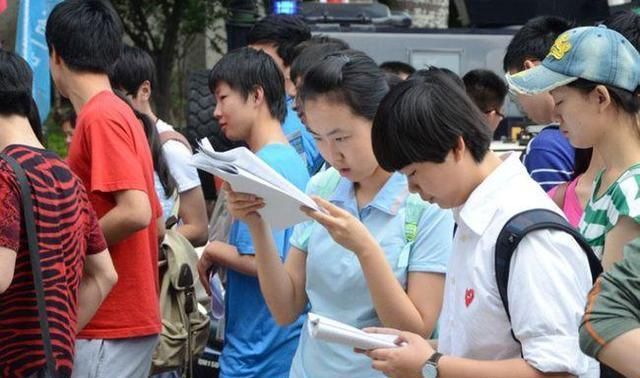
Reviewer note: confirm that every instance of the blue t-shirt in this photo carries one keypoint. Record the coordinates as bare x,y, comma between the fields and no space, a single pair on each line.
335,283
300,138
255,346
550,158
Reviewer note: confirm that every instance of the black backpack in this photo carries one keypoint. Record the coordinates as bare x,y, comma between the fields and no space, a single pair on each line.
515,230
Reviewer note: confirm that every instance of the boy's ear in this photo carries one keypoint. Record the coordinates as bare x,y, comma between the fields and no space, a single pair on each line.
257,95
530,63
459,150
55,57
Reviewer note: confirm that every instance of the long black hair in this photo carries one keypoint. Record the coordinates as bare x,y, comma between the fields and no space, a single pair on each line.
153,138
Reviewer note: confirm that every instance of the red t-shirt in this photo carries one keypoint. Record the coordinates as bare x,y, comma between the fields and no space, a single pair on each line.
68,230
110,153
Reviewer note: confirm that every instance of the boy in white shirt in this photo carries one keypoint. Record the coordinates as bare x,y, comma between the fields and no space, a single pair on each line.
431,131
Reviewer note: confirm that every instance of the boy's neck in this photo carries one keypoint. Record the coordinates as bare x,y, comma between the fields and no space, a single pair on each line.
265,131
83,86
17,130
482,171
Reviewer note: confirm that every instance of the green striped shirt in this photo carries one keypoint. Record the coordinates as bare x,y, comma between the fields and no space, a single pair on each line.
622,198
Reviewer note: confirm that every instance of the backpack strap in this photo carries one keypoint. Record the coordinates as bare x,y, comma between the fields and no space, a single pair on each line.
414,207
516,229
34,255
168,135
326,182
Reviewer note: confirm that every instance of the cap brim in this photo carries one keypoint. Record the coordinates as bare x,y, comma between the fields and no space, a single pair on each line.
536,80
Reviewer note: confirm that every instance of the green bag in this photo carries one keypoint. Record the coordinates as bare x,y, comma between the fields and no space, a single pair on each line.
185,328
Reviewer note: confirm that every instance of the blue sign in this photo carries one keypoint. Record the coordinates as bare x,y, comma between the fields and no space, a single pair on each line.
285,7
32,46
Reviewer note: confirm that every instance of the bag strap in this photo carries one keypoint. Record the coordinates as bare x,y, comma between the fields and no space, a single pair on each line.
516,229
168,135
327,182
34,255
414,209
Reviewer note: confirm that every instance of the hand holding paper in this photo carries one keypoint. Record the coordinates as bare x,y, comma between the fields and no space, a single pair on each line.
243,206
246,173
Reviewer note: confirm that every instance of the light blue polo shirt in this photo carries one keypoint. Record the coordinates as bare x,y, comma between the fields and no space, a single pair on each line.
335,284
255,346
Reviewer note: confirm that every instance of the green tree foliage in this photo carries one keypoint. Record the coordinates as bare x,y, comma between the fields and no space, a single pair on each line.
166,29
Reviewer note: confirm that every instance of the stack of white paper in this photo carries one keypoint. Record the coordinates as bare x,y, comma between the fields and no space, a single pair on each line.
247,173
333,331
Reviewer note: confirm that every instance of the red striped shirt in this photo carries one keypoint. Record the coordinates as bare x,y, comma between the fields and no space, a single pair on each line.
68,230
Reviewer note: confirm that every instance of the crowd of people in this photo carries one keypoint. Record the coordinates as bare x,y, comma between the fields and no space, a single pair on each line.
413,202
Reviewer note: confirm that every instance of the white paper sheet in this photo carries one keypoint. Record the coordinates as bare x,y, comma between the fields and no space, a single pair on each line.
332,331
247,173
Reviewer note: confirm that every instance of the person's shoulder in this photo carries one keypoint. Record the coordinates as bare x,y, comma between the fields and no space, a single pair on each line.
280,154
624,191
551,136
163,126
284,159
106,107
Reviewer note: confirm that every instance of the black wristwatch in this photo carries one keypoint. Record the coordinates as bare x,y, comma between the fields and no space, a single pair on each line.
430,368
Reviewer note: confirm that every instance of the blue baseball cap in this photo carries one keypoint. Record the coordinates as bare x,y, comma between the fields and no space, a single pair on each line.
593,53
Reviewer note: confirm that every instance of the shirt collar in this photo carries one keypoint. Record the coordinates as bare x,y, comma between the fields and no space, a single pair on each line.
484,201
389,199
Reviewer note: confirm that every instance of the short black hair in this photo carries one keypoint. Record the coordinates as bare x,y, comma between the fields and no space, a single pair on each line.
422,121
319,39
423,73
348,77
486,89
310,54
626,23
282,30
16,80
392,79
246,69
87,34
134,67
533,41
397,67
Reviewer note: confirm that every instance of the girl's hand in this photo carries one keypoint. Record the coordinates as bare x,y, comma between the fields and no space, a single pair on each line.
243,206
343,227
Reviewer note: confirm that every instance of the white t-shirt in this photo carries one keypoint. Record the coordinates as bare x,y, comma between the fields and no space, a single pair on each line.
178,157
548,282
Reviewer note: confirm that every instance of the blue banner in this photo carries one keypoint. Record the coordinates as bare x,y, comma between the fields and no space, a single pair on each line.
32,46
